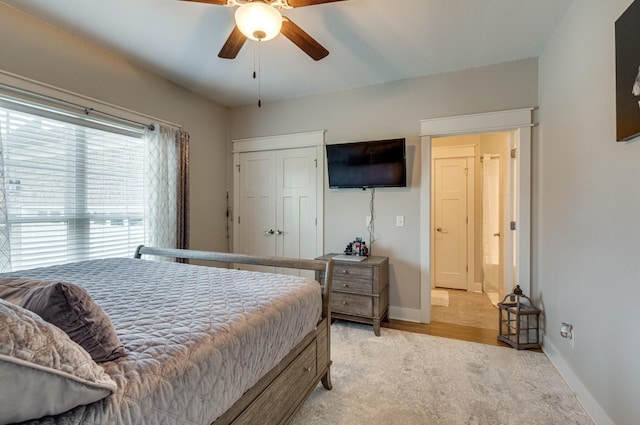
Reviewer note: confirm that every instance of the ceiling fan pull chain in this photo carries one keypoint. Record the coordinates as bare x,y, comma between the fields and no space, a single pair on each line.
254,62
259,76
255,74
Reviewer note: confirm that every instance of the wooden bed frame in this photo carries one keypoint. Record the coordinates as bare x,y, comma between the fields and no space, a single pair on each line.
280,393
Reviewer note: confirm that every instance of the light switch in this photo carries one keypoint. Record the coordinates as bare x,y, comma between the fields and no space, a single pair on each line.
399,221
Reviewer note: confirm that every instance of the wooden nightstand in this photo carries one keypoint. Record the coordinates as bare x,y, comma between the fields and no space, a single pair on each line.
360,290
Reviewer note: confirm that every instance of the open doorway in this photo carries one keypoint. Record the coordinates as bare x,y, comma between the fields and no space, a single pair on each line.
517,236
469,191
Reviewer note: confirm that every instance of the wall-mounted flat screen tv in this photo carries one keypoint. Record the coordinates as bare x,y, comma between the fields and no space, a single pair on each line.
379,163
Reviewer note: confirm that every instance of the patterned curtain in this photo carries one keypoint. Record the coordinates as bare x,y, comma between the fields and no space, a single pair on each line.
166,187
160,180
5,247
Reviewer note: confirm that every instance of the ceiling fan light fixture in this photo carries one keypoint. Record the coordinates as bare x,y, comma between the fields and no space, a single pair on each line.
258,21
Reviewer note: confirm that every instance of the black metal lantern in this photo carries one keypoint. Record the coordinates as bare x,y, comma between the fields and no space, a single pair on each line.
519,321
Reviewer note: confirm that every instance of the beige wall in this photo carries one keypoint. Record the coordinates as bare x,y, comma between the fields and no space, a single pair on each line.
38,51
586,192
587,237
388,111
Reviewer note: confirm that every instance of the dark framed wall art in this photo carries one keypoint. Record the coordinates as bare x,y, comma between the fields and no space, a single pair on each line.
628,73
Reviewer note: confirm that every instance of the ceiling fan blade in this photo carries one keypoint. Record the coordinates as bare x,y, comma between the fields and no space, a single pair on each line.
301,3
303,40
233,45
220,2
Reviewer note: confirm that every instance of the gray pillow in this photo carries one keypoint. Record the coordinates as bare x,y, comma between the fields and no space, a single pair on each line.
43,372
70,308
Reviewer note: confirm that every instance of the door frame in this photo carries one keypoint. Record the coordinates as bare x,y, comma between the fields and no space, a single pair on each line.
518,121
280,142
469,153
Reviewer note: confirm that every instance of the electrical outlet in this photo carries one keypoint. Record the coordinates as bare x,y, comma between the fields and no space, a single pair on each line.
367,221
567,331
399,221
572,341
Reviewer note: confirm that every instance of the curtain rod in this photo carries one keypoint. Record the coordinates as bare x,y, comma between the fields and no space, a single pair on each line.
85,109
24,85
91,110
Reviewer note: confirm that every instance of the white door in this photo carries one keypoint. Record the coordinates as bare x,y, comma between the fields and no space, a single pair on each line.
508,214
277,205
296,205
450,223
492,230
257,217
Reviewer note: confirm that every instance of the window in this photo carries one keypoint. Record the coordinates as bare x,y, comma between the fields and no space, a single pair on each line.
73,187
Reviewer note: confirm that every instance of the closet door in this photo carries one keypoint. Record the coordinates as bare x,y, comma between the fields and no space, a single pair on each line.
296,204
257,215
277,214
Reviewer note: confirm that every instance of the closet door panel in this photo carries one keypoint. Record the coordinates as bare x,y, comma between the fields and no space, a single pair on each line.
257,206
296,204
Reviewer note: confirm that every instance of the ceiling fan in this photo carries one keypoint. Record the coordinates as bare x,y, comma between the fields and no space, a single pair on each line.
261,20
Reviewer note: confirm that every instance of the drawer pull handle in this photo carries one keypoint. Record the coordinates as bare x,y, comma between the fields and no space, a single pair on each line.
345,271
345,285
307,369
344,303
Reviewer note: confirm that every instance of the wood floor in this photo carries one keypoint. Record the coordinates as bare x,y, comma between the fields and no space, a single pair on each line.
465,315
452,321
464,308
448,330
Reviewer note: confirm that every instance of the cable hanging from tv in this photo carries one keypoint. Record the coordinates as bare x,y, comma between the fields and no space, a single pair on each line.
371,226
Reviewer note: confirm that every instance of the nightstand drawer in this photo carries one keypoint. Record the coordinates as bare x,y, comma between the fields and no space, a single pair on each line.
351,273
350,278
353,281
356,305
344,284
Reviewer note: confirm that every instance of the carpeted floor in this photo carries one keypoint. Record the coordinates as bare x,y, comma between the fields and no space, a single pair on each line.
404,378
463,308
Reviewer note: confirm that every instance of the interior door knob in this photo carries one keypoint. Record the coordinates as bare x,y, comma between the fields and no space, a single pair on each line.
270,232
279,232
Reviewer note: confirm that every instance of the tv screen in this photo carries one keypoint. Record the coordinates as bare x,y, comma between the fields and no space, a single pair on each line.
378,163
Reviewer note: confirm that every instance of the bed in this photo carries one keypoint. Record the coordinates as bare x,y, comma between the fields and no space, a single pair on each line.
199,344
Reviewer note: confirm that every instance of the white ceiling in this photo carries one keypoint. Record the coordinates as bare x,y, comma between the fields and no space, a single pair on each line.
370,41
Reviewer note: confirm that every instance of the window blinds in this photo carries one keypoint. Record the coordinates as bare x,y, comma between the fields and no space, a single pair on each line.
73,187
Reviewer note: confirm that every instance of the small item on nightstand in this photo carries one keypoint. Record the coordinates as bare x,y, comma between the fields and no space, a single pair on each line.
357,247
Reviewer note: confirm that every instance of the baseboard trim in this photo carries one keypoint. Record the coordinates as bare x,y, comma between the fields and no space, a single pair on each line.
591,406
475,287
406,314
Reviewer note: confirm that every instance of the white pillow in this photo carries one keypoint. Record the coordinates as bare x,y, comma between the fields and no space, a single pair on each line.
43,371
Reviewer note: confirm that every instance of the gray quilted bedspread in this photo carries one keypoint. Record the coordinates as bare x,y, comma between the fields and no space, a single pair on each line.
196,337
